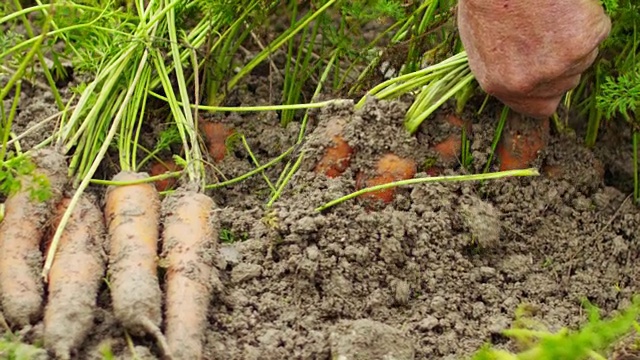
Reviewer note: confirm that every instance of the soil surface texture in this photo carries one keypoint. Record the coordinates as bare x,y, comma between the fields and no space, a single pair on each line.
434,274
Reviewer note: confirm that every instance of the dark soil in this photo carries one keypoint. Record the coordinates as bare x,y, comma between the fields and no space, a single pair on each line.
435,274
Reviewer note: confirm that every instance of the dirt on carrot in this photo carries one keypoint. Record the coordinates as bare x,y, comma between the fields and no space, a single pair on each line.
189,239
133,216
389,168
21,234
337,155
522,141
75,278
446,131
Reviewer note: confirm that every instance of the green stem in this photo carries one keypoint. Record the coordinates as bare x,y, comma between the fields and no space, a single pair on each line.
496,137
454,178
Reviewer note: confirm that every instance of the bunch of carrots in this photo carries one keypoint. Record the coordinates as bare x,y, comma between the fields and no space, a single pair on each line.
123,243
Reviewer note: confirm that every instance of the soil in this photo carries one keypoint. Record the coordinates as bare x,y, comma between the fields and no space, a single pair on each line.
435,274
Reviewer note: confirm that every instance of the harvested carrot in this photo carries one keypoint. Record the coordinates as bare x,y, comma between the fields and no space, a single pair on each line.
21,233
160,168
522,140
74,278
133,215
389,168
216,135
337,156
189,237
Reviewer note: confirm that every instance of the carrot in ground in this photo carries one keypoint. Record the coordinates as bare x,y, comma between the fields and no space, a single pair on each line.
522,140
448,150
189,241
133,215
21,233
160,168
337,156
389,168
216,135
74,278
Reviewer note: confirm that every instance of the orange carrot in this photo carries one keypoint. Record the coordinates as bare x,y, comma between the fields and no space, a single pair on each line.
216,135
188,242
133,215
384,196
389,168
449,149
160,168
337,156
21,233
74,278
522,140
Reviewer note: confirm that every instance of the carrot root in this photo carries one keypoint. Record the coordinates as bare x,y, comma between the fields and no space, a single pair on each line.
133,217
188,240
522,141
75,278
389,168
216,135
21,232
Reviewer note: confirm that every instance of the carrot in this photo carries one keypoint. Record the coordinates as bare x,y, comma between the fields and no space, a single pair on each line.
337,156
133,214
74,278
160,168
522,140
336,159
188,244
21,233
216,135
448,150
389,168
385,196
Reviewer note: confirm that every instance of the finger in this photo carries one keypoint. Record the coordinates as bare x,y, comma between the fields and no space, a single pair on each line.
555,88
583,64
534,107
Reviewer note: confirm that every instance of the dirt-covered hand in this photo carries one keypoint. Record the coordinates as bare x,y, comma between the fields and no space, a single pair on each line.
530,53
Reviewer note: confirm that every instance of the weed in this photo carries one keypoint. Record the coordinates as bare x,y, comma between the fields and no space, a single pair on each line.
228,237
12,348
590,341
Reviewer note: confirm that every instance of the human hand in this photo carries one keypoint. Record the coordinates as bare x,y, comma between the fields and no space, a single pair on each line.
529,53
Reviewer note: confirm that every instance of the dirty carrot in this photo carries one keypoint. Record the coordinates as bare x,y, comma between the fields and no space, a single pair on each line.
337,156
449,149
389,168
21,233
74,278
522,140
133,214
189,241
